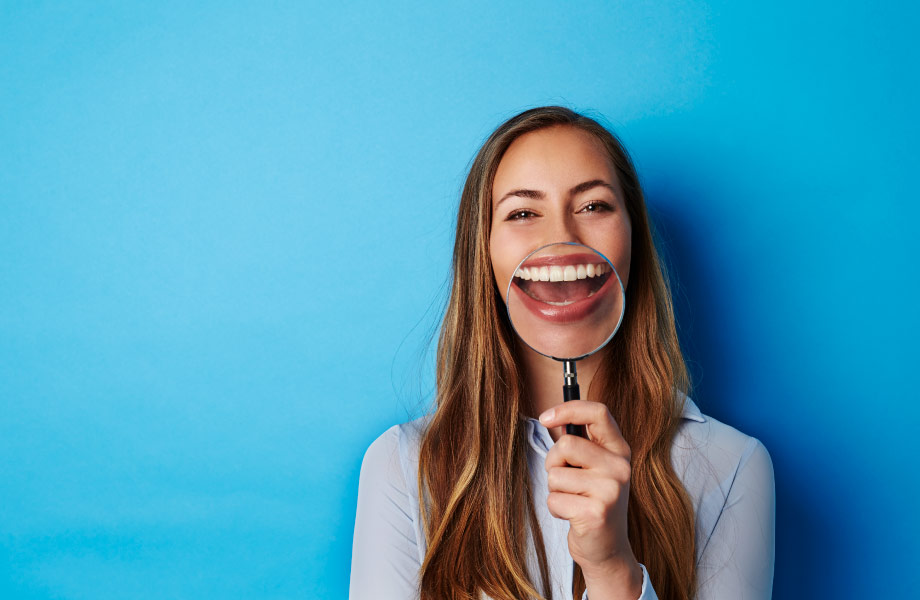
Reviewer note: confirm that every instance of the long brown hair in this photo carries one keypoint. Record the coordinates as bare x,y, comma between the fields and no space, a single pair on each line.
477,508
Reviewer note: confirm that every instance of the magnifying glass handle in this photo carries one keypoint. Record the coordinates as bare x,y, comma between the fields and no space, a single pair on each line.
570,391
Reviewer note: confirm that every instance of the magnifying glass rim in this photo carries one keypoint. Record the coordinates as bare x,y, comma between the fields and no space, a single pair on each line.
612,268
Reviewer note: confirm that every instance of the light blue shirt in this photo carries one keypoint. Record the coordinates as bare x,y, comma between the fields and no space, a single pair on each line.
728,475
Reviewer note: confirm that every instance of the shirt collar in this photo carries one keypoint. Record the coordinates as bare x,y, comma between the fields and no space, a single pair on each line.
691,413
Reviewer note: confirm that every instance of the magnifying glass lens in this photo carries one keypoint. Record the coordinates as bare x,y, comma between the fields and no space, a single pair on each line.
565,300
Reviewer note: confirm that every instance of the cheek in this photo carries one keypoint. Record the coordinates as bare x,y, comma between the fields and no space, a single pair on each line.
502,256
502,276
498,274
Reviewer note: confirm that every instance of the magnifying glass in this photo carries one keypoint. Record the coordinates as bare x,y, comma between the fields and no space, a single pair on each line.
566,301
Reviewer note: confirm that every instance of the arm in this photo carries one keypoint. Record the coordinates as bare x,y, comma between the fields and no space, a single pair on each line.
737,560
384,559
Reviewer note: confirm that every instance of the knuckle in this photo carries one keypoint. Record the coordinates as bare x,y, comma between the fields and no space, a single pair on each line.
564,444
552,477
619,468
600,410
613,491
597,511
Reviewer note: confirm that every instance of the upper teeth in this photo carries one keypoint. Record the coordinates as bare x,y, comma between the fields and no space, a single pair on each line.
560,273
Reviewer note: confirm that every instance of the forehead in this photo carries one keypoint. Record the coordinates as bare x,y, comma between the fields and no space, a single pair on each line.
552,159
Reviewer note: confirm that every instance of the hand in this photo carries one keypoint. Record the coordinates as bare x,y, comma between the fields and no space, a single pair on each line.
593,498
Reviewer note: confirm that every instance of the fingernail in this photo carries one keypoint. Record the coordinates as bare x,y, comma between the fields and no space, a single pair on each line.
547,416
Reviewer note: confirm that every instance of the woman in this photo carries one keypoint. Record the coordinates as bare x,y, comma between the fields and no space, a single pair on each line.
662,501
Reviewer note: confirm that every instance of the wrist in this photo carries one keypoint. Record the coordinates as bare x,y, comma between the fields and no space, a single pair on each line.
615,578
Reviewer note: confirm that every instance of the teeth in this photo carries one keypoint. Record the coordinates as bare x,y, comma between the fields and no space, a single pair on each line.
569,273
555,273
559,273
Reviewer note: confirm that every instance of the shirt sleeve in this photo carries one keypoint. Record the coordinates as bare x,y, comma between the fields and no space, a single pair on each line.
384,559
737,560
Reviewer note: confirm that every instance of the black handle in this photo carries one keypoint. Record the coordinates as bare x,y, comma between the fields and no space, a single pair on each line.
570,391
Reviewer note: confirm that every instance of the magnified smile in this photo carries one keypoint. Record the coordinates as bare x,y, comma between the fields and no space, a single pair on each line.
563,289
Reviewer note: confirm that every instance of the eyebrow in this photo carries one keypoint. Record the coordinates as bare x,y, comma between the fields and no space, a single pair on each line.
578,189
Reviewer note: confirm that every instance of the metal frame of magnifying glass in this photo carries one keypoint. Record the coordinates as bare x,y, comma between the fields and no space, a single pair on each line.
570,390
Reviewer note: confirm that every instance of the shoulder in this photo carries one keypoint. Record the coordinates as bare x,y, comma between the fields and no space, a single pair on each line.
715,461
388,443
729,478
388,490
381,449
391,460
388,543
723,446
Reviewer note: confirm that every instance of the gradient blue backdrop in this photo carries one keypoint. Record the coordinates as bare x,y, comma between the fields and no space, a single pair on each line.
225,230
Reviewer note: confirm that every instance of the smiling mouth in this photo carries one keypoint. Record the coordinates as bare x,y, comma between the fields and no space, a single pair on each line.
561,285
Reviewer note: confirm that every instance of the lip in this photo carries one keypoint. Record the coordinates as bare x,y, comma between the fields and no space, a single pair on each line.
563,260
570,313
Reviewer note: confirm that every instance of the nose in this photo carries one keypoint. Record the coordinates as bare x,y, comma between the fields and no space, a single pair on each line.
563,228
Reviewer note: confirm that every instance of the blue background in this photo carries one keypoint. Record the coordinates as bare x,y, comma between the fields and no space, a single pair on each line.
225,232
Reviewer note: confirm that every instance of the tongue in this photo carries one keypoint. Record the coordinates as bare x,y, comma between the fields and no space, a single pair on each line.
560,291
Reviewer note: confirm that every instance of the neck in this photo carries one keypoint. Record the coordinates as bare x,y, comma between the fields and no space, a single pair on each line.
544,382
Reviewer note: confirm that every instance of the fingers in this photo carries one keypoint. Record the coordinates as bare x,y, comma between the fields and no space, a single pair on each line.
583,482
588,481
577,452
577,509
602,428
571,451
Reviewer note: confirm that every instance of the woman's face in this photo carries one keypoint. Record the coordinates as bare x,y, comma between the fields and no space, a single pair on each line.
557,185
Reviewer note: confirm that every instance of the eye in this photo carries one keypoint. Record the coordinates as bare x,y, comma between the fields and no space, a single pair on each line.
597,207
520,215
